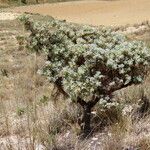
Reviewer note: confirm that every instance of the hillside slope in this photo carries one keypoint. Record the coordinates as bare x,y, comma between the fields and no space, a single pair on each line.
108,13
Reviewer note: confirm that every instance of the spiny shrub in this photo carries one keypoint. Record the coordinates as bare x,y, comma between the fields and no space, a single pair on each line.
88,63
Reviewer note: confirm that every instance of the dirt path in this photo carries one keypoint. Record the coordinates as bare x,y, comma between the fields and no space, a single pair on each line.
95,12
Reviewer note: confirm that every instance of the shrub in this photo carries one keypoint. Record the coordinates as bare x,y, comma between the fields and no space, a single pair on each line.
86,63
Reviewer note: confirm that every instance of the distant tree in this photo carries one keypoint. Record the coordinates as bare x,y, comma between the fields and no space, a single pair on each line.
87,64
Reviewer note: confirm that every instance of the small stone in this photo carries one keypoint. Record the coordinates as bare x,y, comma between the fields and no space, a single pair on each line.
94,139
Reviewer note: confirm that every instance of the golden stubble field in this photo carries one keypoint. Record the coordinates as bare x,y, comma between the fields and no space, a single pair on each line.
120,12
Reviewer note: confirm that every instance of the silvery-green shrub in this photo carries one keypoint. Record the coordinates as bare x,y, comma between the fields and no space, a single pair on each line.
88,62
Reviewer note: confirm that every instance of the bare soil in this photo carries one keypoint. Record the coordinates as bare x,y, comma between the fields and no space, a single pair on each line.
107,13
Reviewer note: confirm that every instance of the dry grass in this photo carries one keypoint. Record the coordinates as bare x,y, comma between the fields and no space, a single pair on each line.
31,118
28,108
12,3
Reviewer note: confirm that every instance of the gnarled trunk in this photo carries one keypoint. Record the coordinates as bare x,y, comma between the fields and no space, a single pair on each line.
86,121
86,118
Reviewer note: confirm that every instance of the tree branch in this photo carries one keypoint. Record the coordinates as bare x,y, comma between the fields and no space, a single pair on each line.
121,87
81,102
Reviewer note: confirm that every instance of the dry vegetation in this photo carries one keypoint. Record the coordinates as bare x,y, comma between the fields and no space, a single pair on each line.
33,118
8,3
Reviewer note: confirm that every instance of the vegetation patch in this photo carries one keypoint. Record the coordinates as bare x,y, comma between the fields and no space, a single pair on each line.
87,64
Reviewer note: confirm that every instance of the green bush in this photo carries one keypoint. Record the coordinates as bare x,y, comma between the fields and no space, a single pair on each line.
88,63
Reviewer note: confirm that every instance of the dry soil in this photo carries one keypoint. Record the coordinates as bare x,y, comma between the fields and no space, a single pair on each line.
108,13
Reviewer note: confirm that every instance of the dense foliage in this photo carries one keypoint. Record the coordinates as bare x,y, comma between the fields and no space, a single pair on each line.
88,61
